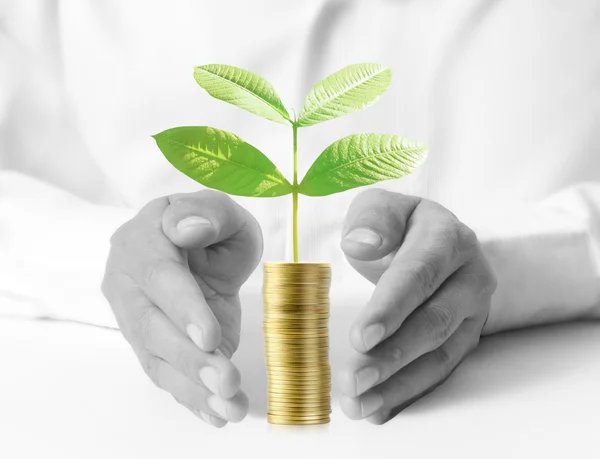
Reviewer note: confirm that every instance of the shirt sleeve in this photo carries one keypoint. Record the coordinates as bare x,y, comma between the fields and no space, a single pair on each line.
546,257
53,250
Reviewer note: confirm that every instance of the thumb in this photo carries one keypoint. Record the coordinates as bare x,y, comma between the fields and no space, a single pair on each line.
197,220
375,223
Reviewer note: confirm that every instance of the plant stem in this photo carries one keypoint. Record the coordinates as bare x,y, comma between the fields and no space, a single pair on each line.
295,195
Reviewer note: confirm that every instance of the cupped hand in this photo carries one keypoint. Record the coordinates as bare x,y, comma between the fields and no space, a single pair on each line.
431,300
172,280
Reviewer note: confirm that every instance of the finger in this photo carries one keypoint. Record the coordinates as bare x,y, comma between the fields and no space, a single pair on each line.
200,219
224,240
171,286
194,395
209,419
212,369
436,244
416,379
426,329
375,224
145,326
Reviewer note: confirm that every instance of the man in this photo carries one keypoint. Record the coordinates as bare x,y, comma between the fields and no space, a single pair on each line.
498,230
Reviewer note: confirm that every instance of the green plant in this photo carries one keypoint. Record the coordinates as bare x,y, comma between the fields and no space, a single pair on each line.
221,160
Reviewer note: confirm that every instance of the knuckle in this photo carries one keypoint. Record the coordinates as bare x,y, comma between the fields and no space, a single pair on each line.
373,194
143,325
425,273
443,360
467,241
119,238
105,287
151,368
216,196
184,361
153,273
437,322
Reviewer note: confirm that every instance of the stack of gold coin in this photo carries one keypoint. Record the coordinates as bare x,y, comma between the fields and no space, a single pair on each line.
296,315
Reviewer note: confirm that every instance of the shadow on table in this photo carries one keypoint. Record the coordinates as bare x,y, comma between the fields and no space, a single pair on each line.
502,363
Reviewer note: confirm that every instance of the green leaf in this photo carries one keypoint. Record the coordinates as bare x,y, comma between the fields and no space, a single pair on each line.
242,88
221,160
359,160
348,90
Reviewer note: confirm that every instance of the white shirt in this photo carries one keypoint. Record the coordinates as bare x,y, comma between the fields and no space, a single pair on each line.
506,95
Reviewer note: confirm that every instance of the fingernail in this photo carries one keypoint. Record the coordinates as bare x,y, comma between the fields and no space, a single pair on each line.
195,222
212,420
369,403
218,405
372,335
365,236
210,378
195,335
365,379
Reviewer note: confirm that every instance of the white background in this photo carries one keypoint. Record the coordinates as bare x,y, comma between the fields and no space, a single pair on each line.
73,391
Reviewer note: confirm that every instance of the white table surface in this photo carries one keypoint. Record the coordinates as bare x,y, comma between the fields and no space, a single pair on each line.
75,391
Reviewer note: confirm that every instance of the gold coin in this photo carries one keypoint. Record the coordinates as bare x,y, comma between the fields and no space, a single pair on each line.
298,419
300,316
295,358
290,377
298,363
300,288
286,345
301,365
293,331
320,276
274,348
283,397
277,373
302,294
322,402
302,416
283,351
320,371
284,356
287,306
306,385
287,266
289,384
297,281
299,415
310,291
281,373
301,291
314,406
302,326
294,422
295,305
299,412
296,314
299,391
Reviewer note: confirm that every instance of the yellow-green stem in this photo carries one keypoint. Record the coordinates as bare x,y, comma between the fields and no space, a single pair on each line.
295,195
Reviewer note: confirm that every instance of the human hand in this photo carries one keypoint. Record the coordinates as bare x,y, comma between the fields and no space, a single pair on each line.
431,300
172,280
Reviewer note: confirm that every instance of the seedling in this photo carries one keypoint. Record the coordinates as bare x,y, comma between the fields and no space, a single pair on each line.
221,160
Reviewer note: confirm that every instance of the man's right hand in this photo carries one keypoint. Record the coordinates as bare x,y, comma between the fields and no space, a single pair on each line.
172,280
